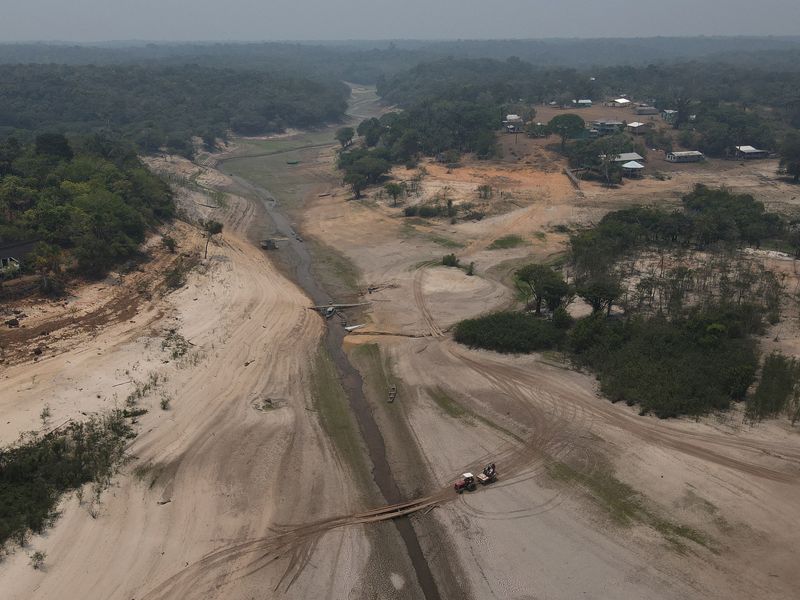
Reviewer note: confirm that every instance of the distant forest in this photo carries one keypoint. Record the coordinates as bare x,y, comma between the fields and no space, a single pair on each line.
156,106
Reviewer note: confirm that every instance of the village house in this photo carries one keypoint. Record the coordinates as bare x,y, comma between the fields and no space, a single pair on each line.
606,127
637,128
646,110
669,115
685,156
749,153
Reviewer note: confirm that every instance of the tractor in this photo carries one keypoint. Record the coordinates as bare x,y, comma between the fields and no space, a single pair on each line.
467,481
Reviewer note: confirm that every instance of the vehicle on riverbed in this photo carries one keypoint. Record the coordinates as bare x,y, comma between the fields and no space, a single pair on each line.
467,481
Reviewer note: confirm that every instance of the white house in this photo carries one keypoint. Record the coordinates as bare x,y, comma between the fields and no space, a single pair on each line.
633,169
620,103
686,156
637,128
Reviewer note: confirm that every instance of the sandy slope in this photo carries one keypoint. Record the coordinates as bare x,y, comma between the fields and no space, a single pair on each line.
210,471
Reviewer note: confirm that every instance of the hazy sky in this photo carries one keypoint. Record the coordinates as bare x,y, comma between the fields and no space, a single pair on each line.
96,20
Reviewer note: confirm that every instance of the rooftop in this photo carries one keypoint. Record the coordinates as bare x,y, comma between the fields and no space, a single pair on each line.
747,149
628,156
633,165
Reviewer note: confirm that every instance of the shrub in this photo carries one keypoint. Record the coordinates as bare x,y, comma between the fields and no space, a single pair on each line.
670,368
450,260
505,242
777,391
508,332
36,472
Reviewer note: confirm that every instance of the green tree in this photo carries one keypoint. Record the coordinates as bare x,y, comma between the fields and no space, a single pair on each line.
370,130
566,126
54,145
610,148
542,286
210,228
344,135
48,262
790,155
600,293
395,190
357,183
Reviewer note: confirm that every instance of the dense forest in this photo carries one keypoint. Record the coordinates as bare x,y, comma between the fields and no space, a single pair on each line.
690,307
161,106
364,61
718,104
88,203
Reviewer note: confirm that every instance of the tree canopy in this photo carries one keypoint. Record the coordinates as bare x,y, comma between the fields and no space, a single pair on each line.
92,198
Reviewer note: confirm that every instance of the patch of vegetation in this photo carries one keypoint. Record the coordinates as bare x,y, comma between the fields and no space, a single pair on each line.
330,401
37,471
625,505
778,390
37,559
446,403
89,201
450,260
509,332
446,242
175,344
670,367
506,242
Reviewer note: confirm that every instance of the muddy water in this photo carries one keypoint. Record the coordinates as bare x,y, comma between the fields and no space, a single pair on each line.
299,257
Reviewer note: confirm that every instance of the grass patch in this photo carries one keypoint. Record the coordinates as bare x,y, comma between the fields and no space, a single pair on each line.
377,371
506,242
330,401
336,272
446,242
449,406
626,506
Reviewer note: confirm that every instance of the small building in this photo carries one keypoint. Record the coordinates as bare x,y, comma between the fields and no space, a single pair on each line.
628,157
633,169
620,103
583,103
12,257
513,123
646,110
685,156
637,128
669,115
606,127
748,152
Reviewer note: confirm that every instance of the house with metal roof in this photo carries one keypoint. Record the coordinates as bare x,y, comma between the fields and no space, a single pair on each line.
685,156
749,152
637,128
632,169
629,156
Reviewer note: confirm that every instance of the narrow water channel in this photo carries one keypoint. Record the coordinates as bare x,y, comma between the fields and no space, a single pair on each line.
299,257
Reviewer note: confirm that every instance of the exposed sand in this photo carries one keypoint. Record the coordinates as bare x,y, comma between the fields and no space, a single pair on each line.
227,488
531,536
210,470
